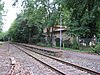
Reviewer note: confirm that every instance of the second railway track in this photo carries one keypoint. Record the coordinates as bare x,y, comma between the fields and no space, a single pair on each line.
61,67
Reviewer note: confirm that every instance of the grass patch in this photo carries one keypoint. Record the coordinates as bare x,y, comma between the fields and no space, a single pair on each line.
43,44
87,50
83,50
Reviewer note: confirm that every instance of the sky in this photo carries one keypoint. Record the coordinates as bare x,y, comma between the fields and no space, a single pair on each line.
11,14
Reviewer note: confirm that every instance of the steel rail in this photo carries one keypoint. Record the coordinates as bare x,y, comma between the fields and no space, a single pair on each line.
67,63
51,67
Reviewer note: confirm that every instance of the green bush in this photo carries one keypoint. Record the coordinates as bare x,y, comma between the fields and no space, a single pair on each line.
57,42
41,44
75,45
48,45
98,40
34,40
96,49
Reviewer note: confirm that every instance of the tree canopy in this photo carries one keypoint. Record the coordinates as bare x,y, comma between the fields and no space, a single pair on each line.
1,12
82,18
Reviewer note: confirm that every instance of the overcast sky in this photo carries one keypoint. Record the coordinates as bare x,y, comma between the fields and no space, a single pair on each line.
11,14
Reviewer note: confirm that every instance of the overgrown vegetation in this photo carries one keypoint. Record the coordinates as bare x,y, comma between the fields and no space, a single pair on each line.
82,18
75,44
96,49
4,36
1,14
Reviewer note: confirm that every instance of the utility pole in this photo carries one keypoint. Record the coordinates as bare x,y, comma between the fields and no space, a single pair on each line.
60,30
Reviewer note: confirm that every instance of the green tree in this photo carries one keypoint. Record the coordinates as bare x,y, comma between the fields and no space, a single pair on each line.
4,36
83,16
1,14
43,14
21,30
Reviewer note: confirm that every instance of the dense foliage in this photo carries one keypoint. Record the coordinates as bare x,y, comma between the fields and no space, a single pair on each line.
96,49
82,18
20,31
36,16
4,36
1,12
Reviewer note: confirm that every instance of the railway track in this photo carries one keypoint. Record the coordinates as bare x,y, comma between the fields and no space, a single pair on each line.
62,67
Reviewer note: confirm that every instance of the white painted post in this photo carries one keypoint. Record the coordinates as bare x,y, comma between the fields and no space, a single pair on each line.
60,30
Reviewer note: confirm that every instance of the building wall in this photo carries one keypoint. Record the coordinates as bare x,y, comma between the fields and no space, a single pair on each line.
57,34
64,35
